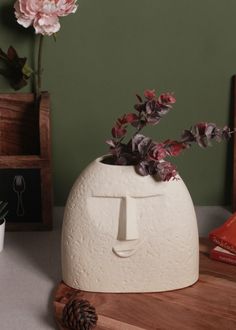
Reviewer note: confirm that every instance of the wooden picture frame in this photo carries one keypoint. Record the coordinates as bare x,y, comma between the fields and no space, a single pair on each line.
25,161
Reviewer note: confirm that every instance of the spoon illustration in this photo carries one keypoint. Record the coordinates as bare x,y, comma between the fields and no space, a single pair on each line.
19,188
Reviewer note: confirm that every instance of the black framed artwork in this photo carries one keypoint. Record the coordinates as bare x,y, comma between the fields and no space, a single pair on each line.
21,188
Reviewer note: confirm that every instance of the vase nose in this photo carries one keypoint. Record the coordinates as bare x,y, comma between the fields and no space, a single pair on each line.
128,226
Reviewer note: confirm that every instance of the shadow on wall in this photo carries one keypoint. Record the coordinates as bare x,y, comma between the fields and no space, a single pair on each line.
8,20
210,217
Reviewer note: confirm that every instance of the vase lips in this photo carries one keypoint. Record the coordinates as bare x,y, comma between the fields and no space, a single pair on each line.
127,248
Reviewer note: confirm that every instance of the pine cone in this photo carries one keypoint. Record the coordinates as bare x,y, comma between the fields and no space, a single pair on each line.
79,315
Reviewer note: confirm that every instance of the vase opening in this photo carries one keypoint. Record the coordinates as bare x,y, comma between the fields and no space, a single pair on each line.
110,160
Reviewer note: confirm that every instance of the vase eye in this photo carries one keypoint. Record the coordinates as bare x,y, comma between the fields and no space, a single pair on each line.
124,218
104,214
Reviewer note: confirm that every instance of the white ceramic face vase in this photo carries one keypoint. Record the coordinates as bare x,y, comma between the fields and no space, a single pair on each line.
126,233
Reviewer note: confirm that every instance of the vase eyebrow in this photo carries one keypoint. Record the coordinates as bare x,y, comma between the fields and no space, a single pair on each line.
127,196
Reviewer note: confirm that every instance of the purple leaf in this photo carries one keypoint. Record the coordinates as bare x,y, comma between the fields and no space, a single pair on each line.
166,171
121,161
139,98
142,169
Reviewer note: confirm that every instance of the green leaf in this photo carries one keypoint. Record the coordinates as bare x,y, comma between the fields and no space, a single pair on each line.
27,71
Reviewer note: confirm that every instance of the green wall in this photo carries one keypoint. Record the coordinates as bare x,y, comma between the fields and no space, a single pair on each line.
108,51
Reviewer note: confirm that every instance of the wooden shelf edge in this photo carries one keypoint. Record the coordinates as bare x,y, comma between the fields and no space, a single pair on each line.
24,161
13,226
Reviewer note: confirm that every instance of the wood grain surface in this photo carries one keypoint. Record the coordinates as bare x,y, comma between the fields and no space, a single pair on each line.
26,144
208,304
19,124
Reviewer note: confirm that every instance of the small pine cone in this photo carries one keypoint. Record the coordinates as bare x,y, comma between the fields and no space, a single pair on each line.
79,315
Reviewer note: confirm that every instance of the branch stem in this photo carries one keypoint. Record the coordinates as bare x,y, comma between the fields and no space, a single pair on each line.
39,70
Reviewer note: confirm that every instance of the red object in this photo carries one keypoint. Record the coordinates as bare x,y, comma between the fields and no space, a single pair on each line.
150,94
174,148
225,235
223,255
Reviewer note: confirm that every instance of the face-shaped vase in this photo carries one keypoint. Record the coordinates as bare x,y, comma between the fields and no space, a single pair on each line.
126,233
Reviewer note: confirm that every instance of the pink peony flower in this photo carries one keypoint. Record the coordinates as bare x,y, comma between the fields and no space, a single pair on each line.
43,14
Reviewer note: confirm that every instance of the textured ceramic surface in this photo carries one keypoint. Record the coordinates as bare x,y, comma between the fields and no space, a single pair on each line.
126,233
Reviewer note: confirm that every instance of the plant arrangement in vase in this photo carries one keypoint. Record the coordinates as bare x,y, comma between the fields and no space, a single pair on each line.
148,156
135,223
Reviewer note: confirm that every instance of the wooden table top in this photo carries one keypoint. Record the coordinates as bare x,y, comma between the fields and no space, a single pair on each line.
208,304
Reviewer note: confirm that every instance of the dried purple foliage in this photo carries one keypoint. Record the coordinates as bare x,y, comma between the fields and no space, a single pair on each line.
14,68
148,156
